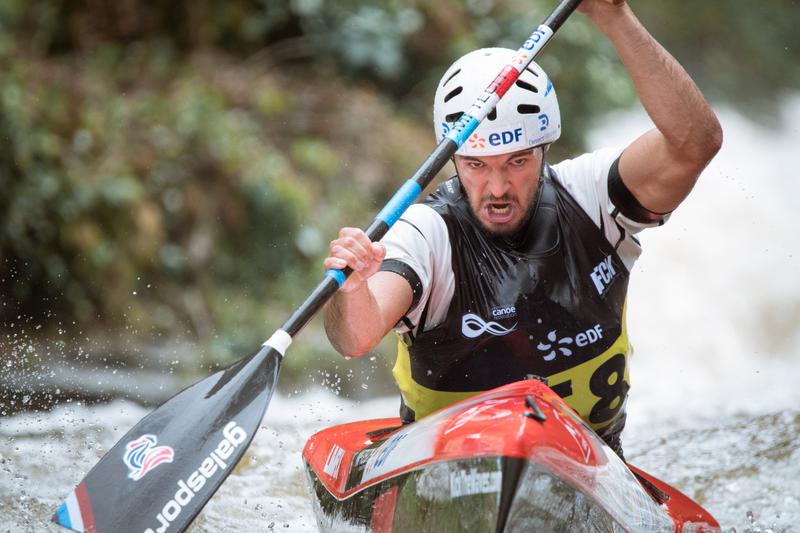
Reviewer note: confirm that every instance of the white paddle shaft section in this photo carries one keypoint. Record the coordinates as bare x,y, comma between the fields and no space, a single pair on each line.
279,341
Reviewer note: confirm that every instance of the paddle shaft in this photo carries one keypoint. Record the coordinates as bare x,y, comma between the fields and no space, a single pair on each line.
411,189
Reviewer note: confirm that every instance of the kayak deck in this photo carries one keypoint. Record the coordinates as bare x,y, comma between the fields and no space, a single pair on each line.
489,463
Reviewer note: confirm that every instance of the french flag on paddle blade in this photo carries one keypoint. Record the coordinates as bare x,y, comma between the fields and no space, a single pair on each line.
142,455
76,511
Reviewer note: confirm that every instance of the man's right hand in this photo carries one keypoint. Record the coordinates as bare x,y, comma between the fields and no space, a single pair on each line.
370,302
354,249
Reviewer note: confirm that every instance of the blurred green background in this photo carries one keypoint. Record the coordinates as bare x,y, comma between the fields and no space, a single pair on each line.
171,171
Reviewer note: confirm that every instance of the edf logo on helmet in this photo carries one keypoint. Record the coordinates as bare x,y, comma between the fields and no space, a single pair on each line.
497,138
505,137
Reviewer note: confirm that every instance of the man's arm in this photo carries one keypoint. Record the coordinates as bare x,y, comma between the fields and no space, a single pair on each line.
660,167
370,302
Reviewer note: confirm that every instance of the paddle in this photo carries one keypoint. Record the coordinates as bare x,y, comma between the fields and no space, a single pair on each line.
164,470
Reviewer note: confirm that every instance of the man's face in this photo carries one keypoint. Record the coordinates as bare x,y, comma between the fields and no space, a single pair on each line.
501,188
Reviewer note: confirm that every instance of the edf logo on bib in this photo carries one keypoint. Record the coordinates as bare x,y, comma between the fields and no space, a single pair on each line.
505,137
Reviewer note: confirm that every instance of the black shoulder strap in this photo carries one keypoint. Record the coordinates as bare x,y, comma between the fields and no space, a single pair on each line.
424,316
547,186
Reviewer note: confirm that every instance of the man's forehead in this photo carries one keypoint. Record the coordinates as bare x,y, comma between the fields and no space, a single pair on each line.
511,155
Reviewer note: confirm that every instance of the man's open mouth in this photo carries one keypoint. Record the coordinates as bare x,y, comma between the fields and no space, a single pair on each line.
499,209
498,212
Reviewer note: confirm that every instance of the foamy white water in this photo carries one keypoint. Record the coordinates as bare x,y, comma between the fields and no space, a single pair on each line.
714,312
714,315
715,298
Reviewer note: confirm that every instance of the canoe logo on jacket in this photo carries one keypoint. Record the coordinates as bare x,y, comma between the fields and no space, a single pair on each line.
473,326
142,455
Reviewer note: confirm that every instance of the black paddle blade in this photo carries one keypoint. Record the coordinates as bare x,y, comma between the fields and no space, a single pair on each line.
159,476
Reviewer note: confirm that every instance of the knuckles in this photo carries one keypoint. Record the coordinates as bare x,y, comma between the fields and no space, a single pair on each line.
353,246
352,240
348,242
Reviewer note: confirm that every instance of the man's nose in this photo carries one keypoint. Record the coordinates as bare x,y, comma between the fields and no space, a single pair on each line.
498,184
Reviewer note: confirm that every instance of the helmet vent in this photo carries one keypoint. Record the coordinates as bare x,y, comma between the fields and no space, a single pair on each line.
453,75
528,109
452,94
453,117
527,86
529,69
492,114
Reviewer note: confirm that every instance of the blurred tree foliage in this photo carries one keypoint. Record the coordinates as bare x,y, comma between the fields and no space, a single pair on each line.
177,167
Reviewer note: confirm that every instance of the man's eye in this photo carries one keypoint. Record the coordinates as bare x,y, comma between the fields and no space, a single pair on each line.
519,162
474,164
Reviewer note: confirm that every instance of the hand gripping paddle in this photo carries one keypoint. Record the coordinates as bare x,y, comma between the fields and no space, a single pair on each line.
159,476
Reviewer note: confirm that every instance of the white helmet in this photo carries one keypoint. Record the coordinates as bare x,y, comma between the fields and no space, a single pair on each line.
525,117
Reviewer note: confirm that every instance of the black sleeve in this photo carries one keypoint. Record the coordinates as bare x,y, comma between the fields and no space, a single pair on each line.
624,200
398,267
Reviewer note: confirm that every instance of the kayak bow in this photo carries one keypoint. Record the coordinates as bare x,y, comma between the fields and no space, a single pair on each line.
516,458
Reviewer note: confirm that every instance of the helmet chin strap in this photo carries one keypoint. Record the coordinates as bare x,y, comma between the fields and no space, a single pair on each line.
545,148
460,184
531,208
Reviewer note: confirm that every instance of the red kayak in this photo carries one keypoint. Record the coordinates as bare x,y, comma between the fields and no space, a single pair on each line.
516,458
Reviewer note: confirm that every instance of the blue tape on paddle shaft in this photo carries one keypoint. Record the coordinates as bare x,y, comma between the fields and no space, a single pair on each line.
337,275
399,202
459,135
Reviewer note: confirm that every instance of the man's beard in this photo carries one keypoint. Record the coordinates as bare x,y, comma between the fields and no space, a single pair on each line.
510,231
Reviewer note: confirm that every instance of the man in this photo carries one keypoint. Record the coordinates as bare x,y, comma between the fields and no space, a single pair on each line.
514,269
